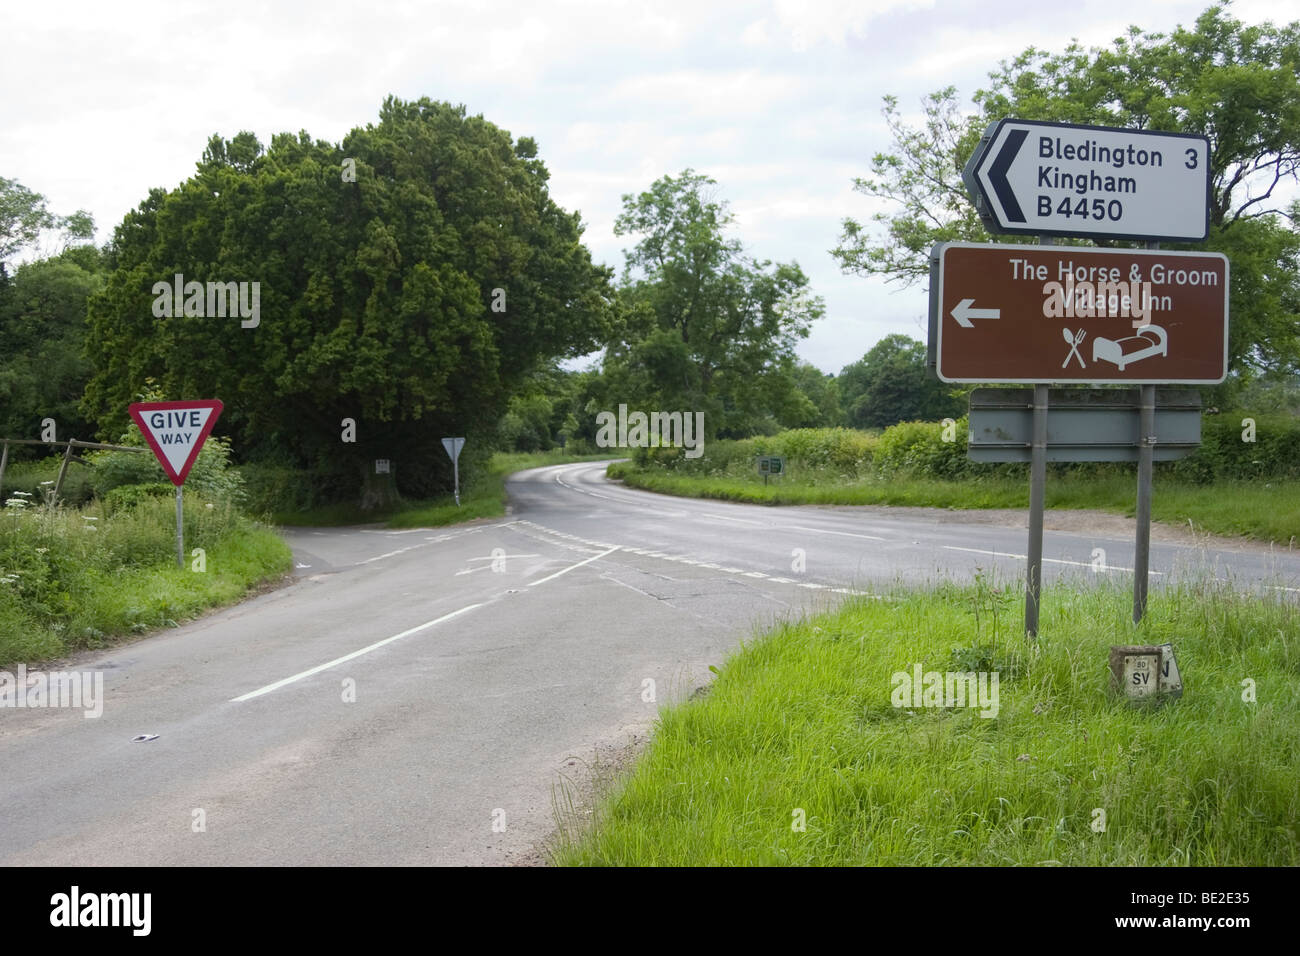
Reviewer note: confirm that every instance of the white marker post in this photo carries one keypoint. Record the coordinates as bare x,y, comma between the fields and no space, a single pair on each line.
176,432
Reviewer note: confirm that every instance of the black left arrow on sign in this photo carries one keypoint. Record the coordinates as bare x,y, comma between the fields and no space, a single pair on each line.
998,174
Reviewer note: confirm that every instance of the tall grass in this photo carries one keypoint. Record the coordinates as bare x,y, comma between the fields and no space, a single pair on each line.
72,579
799,726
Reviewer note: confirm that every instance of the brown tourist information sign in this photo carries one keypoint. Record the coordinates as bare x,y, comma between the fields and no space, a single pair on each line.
1038,314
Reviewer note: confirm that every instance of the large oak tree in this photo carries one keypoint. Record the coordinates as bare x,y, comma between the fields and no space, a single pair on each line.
410,276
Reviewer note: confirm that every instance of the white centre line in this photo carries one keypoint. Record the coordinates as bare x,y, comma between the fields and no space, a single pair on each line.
347,657
552,577
846,534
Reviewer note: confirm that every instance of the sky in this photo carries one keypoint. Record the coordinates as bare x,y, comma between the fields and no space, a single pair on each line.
779,102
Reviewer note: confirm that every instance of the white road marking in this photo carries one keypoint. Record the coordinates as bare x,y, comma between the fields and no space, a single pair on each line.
709,514
1022,557
677,558
845,534
347,657
552,577
427,542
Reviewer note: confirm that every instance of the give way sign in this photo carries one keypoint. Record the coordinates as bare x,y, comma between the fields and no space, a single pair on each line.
176,431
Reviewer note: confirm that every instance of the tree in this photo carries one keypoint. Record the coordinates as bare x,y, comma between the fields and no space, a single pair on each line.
42,326
891,384
816,399
1236,84
705,326
24,215
411,277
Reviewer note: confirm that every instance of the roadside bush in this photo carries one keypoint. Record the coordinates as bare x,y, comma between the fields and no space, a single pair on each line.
843,450
128,496
272,488
1275,452
30,477
918,448
815,453
212,475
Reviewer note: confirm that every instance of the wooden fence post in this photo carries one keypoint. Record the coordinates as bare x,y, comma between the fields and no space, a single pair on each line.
63,470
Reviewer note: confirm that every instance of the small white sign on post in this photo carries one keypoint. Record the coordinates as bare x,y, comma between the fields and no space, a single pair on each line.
453,446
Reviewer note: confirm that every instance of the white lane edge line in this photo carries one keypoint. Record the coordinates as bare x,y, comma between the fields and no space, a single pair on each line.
347,657
552,577
1022,557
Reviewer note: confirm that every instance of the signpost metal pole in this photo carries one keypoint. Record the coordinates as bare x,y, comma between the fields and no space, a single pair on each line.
453,447
1146,453
1037,495
180,534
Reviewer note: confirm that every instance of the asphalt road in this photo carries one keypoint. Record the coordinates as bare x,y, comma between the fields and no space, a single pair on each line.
421,697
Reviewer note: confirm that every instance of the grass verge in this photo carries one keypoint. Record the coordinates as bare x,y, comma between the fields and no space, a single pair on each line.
798,727
485,498
72,580
1265,510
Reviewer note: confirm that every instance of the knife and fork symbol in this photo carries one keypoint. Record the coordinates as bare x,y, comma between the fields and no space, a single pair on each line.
1074,340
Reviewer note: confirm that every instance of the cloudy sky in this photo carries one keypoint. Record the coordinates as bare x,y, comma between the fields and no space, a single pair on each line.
778,101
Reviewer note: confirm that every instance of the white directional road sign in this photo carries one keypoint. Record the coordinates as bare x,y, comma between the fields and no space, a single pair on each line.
1057,179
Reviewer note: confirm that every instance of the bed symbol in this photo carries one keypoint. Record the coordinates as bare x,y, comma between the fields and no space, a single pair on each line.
1150,340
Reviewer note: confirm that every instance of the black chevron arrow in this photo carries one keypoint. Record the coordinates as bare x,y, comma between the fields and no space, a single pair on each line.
998,174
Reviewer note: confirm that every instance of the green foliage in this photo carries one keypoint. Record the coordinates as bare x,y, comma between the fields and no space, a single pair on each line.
37,478
23,215
1224,454
42,324
272,488
70,580
212,475
891,384
376,296
922,178
814,454
704,327
526,425
802,717
918,448
814,401
836,449
125,497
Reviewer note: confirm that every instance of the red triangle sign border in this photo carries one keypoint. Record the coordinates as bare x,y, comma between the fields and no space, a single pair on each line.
139,409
